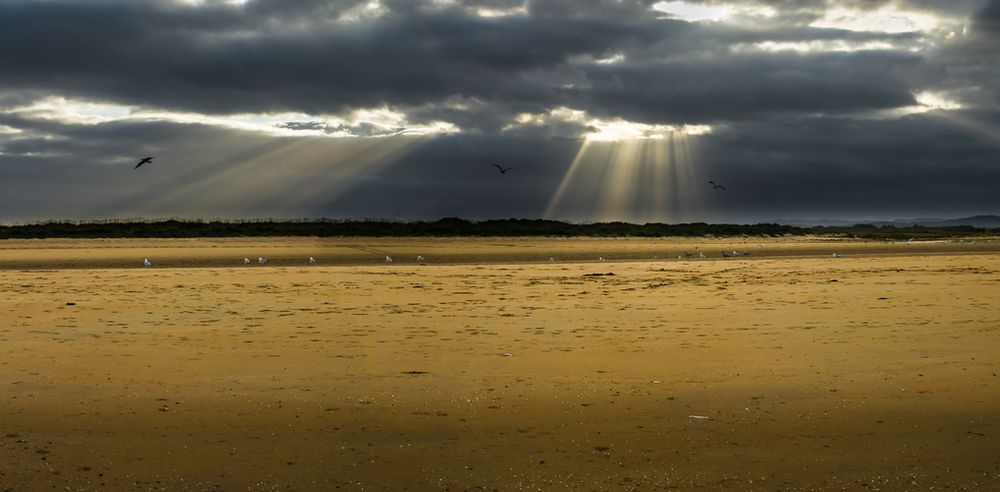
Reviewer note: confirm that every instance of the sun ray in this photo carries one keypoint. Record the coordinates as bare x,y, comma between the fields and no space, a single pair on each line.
985,131
620,185
220,181
283,176
568,177
650,179
328,178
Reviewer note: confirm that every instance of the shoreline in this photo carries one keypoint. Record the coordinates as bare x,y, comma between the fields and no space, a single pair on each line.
49,254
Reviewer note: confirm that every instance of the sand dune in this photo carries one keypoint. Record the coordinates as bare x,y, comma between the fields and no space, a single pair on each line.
874,371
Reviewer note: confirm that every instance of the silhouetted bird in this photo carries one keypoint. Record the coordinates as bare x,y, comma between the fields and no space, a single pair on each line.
145,160
717,187
503,170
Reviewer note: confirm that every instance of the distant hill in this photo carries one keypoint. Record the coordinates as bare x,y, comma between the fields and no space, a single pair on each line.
978,221
983,221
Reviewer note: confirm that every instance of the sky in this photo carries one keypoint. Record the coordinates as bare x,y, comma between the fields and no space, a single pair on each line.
397,109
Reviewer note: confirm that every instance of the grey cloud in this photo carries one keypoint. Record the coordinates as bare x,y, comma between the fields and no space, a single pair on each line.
794,134
718,89
968,67
228,60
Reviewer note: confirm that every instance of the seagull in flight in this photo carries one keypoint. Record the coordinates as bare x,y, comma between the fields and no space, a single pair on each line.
145,160
503,170
716,186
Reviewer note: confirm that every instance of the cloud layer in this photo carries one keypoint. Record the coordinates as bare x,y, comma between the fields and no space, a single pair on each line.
811,107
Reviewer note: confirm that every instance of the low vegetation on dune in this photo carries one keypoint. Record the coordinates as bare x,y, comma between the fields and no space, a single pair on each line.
174,228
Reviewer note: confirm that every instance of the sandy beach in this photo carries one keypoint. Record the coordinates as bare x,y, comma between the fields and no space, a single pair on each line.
491,367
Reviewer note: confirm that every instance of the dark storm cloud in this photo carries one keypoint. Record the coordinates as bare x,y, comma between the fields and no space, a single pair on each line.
286,56
969,65
813,133
738,87
916,165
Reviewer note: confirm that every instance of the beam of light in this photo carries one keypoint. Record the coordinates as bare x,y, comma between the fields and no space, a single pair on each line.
282,177
620,185
220,180
637,180
987,132
568,177
321,177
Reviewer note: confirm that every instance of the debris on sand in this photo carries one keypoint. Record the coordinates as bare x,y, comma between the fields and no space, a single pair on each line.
699,417
506,354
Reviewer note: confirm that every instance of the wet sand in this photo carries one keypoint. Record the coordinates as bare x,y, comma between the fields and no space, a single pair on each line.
878,370
228,252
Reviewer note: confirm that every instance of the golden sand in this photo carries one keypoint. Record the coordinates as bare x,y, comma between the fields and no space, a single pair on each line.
493,368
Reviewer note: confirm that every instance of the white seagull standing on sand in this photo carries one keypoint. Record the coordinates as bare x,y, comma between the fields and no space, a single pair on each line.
312,261
246,261
420,259
387,259
146,263
261,260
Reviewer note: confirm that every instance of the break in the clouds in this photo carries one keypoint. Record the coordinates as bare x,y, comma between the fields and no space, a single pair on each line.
607,109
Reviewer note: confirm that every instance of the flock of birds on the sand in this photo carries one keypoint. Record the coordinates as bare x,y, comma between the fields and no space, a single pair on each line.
421,260
263,261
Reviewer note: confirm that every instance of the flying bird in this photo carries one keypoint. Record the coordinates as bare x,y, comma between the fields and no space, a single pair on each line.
503,170
145,160
717,187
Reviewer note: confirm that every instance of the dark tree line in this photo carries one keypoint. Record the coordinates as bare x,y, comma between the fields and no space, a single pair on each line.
178,228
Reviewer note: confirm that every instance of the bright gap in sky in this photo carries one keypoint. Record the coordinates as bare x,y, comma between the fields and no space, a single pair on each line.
692,12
